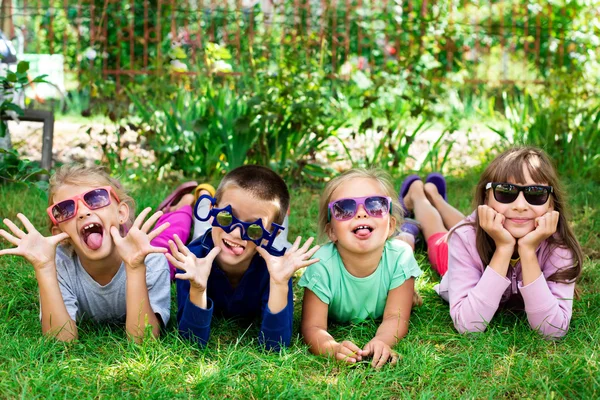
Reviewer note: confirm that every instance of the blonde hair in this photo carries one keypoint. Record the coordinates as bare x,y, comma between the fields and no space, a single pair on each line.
377,175
90,176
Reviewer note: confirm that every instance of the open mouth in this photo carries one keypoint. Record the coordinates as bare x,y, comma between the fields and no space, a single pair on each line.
234,248
92,235
362,231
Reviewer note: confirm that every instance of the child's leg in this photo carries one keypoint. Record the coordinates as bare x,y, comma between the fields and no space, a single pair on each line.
425,213
432,226
450,215
179,217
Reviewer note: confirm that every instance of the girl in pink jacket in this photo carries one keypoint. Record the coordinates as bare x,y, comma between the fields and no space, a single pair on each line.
516,249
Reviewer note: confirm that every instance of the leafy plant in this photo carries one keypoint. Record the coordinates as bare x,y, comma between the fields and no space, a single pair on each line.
11,84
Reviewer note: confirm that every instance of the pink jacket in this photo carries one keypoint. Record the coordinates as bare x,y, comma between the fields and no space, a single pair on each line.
475,292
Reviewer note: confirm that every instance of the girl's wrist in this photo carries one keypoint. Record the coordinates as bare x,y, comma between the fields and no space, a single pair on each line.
505,248
45,271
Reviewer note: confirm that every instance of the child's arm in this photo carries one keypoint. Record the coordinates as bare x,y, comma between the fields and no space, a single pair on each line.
548,304
280,302
474,291
314,330
133,249
194,308
40,251
394,325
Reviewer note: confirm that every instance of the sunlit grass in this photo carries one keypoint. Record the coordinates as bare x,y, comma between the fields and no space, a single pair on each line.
509,360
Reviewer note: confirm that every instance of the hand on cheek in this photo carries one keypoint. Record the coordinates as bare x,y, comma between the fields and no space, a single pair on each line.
545,226
492,222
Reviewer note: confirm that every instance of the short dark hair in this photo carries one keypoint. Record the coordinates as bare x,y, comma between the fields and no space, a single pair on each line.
262,182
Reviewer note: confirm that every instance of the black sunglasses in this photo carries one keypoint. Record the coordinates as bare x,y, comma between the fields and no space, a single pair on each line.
506,193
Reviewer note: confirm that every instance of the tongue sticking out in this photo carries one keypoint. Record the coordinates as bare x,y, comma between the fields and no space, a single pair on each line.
363,233
94,241
237,250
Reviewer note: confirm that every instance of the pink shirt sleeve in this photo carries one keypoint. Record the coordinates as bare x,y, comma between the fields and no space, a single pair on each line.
474,292
549,305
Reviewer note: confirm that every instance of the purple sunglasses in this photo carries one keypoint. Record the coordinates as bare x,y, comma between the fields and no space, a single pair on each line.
345,209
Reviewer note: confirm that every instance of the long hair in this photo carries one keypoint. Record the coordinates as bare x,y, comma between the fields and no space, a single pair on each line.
375,174
80,175
508,166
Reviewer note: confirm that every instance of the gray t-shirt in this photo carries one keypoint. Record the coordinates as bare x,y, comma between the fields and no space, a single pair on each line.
86,299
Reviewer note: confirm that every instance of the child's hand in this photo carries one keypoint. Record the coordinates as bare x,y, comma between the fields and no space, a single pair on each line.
545,226
381,353
282,268
348,352
196,269
493,223
135,246
39,250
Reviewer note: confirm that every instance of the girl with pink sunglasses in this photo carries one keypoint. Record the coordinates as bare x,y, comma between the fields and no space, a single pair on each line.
98,263
362,273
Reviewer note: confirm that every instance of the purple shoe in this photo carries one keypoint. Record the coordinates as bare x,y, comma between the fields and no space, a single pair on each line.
412,227
439,181
404,190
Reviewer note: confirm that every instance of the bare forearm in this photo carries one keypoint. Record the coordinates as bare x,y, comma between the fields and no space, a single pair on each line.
391,330
139,310
320,342
278,297
530,266
501,260
198,297
56,321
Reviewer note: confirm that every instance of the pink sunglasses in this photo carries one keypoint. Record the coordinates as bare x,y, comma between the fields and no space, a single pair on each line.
345,209
94,199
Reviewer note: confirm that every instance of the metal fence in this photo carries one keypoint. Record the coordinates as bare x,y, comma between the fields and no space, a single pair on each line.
506,42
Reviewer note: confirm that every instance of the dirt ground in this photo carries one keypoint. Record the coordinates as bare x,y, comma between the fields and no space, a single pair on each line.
80,141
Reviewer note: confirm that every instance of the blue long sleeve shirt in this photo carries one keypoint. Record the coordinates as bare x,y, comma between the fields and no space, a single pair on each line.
249,300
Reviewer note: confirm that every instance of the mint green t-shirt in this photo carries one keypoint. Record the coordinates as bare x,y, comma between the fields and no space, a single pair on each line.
353,299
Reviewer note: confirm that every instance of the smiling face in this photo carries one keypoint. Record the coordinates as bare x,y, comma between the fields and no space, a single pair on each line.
89,230
237,253
520,215
361,234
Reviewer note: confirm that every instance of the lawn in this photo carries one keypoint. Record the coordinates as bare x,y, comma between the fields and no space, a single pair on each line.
509,360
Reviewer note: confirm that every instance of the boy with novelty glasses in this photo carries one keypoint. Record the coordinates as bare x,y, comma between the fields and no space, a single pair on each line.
233,269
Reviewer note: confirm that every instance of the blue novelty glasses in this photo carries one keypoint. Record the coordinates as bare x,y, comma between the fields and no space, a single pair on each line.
252,231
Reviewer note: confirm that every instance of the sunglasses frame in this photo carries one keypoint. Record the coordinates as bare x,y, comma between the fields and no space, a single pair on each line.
493,185
235,223
109,190
359,201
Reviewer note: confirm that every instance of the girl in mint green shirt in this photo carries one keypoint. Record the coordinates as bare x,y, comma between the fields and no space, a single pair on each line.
362,273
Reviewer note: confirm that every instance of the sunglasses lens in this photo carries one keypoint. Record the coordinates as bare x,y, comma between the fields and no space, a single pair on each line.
344,209
254,232
536,195
505,193
224,218
377,206
63,210
97,198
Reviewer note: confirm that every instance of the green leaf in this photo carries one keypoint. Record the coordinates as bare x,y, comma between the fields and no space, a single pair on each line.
13,107
11,76
22,67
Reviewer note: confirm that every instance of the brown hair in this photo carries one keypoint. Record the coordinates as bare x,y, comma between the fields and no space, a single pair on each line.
91,176
508,166
376,174
262,183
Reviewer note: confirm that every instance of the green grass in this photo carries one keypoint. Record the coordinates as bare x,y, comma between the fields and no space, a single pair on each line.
508,361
